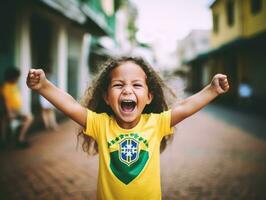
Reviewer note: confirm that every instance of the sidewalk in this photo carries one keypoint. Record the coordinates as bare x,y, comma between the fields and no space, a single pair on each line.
52,168
216,155
212,156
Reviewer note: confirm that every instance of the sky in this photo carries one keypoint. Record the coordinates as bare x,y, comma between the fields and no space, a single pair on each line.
165,22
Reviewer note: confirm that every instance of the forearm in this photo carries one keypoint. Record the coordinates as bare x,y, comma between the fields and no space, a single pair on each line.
37,81
197,101
191,105
59,98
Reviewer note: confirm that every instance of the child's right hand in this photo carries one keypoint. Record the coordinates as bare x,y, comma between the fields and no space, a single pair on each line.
36,79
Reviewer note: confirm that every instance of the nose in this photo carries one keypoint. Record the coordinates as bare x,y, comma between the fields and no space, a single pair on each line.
127,90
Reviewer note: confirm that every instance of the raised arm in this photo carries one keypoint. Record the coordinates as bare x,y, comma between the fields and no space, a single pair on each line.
194,103
37,81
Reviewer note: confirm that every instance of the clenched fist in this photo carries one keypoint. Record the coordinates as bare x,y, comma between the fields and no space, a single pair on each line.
36,79
220,83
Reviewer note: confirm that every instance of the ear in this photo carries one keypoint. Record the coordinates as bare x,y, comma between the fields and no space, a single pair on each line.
150,98
105,97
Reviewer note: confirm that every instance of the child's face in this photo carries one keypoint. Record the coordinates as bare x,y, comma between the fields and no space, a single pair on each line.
128,94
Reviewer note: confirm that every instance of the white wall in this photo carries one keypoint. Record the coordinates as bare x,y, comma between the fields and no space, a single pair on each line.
23,57
85,77
62,55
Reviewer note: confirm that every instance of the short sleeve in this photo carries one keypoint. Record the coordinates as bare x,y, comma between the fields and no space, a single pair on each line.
165,121
94,123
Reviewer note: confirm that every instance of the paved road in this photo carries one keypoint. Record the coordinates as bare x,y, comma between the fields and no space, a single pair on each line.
211,157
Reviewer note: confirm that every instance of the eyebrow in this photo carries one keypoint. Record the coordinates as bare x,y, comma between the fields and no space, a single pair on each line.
136,80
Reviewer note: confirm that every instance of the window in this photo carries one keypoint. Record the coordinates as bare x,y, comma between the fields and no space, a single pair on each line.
215,23
255,6
230,7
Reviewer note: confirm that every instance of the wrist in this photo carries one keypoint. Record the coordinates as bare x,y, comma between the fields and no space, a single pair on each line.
46,84
213,91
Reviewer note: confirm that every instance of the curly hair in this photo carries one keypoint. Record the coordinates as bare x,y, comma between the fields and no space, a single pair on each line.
94,101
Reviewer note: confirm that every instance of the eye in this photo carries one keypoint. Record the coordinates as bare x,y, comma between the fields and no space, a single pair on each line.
118,85
137,85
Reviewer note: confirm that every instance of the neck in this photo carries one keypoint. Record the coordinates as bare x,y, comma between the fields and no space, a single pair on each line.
127,125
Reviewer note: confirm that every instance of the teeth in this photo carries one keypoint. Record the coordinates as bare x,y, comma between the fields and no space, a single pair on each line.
127,101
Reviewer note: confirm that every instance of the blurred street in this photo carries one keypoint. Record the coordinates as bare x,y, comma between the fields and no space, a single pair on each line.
216,154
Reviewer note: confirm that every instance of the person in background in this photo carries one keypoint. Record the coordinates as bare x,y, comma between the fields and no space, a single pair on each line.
2,120
13,104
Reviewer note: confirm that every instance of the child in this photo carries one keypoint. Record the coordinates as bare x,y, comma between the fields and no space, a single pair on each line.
126,114
13,103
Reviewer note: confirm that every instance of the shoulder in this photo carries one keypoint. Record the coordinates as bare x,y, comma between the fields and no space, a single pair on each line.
159,121
5,85
161,114
6,88
97,116
157,116
95,122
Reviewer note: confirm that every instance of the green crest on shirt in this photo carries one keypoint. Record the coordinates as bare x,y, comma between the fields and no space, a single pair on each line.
129,160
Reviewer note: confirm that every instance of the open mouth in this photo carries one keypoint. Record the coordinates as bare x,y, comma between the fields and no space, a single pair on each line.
128,105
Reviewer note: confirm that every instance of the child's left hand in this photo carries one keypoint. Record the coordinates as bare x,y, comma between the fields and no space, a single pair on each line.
220,83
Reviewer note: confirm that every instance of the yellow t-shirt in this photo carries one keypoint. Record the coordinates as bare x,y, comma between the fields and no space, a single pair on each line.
129,159
12,96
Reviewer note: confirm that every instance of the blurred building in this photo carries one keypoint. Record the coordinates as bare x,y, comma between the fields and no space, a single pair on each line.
197,42
126,31
238,46
124,41
54,35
